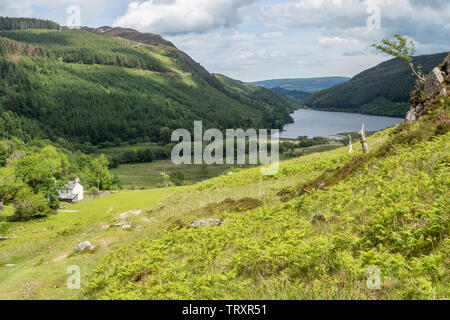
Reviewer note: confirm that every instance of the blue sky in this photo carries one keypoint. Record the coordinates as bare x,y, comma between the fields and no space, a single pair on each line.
262,39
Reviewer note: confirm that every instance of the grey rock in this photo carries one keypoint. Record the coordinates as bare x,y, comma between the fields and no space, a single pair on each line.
443,92
83,246
105,228
206,223
434,81
123,224
414,113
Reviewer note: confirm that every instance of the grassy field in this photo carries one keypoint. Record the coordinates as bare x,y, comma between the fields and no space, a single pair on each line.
43,249
148,175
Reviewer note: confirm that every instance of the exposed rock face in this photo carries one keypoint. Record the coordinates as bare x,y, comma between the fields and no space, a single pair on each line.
83,246
206,223
434,81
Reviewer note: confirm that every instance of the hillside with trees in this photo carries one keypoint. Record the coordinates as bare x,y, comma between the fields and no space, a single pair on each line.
92,86
382,90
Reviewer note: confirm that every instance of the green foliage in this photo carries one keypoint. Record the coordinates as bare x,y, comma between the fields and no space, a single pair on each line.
398,47
44,172
402,49
165,135
29,205
97,174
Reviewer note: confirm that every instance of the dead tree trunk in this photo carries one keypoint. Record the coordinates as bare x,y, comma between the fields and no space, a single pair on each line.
362,136
350,148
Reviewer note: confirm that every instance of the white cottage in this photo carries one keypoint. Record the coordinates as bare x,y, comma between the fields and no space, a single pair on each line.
72,192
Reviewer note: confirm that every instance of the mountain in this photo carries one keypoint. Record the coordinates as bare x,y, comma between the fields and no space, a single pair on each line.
295,96
309,85
382,90
113,84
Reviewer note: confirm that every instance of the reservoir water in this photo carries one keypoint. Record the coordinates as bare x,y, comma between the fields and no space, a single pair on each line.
314,123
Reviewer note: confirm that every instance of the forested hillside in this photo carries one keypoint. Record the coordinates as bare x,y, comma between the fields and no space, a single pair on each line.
308,85
26,23
295,96
382,90
92,86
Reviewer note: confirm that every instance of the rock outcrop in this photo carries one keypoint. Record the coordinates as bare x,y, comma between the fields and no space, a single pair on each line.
434,81
433,85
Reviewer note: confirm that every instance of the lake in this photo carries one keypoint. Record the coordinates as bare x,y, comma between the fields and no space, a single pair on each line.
314,123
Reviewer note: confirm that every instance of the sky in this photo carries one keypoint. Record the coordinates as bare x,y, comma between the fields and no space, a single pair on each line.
253,40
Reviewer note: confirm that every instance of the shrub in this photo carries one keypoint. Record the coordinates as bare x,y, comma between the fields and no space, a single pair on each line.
29,205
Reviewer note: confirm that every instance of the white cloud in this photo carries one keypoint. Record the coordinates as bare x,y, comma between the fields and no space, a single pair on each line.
421,20
182,16
272,35
338,41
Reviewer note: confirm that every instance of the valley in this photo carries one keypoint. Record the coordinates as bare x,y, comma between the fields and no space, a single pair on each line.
95,109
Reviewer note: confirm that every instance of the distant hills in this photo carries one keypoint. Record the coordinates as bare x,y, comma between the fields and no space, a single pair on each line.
101,85
298,90
310,85
382,90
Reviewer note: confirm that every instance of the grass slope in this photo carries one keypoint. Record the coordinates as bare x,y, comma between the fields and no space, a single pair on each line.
287,237
43,249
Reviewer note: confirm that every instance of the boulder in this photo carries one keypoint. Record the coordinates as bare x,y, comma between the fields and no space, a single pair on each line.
206,223
443,92
83,246
434,81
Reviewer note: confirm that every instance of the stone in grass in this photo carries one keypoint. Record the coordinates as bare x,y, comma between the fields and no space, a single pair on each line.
206,223
123,224
105,228
83,246
9,265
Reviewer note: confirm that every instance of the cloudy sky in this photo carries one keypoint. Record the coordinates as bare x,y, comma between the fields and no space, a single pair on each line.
263,39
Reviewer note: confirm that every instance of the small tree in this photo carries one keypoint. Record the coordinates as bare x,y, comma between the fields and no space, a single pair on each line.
401,48
29,205
94,192
165,181
165,135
